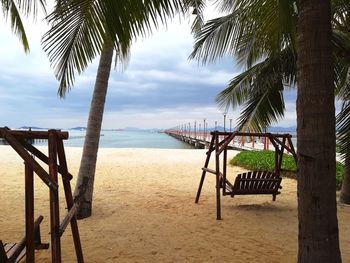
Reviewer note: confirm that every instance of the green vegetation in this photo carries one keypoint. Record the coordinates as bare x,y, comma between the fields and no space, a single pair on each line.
265,160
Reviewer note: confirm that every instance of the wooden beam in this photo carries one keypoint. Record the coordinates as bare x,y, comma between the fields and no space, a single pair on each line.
29,214
45,159
44,135
226,142
204,172
217,167
35,166
70,202
257,134
72,212
54,200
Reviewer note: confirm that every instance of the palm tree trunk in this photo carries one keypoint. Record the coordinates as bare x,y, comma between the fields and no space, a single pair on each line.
85,184
345,188
317,210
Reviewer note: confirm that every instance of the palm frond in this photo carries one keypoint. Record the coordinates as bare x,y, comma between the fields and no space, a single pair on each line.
13,9
262,85
251,31
80,29
262,109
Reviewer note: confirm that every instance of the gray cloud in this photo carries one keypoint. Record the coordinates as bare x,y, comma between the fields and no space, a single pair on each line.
160,87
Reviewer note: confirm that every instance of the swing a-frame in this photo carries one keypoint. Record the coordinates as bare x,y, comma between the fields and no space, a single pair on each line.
249,183
19,141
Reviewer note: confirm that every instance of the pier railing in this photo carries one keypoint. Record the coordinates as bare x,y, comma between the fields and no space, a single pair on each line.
201,139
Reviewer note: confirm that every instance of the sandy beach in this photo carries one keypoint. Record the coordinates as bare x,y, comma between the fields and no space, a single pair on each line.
144,211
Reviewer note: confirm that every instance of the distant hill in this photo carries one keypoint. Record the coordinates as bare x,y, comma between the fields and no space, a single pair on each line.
78,128
291,129
31,127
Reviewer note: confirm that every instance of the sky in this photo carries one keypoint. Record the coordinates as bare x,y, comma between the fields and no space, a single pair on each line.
160,88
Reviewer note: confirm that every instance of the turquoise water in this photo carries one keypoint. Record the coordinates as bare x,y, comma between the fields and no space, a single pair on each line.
128,139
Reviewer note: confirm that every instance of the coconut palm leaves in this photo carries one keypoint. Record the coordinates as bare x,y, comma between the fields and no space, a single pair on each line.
250,31
260,90
81,28
261,36
13,9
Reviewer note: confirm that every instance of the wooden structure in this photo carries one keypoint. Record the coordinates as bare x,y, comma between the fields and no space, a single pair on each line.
56,161
255,182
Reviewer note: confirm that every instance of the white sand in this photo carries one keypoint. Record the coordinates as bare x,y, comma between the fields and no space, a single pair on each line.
144,211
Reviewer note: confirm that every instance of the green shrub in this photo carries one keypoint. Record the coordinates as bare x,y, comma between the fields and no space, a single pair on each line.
265,160
262,160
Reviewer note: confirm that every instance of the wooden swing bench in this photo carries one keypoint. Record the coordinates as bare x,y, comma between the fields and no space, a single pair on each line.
256,182
248,183
15,252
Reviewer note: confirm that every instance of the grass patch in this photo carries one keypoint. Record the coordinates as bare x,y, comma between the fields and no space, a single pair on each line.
265,161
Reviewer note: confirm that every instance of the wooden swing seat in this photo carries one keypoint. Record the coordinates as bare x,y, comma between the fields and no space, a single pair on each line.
255,182
15,252
8,250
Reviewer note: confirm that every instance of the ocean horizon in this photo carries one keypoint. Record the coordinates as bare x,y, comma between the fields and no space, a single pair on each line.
125,139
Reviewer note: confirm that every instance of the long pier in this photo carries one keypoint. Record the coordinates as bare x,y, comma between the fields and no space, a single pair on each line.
201,140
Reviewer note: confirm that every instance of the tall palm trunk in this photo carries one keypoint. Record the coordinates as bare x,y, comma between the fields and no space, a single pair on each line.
85,184
317,211
345,188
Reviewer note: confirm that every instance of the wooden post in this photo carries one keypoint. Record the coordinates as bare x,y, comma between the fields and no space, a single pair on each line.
277,156
70,202
54,201
284,141
217,161
205,166
29,208
224,171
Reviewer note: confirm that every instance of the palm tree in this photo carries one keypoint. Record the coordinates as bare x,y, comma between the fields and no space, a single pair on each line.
259,89
262,38
262,106
13,9
80,31
317,210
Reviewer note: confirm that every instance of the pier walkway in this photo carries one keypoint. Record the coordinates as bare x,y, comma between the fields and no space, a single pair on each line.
201,140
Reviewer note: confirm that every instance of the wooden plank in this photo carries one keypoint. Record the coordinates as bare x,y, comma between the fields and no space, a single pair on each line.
29,213
217,166
254,183
54,200
70,202
32,134
250,182
243,181
9,246
237,182
224,167
15,251
212,171
3,257
259,175
22,254
72,212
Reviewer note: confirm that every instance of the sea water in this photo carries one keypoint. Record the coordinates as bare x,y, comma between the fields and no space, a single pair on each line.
128,139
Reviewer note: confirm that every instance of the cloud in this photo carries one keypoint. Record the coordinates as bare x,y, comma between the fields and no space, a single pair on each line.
160,88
